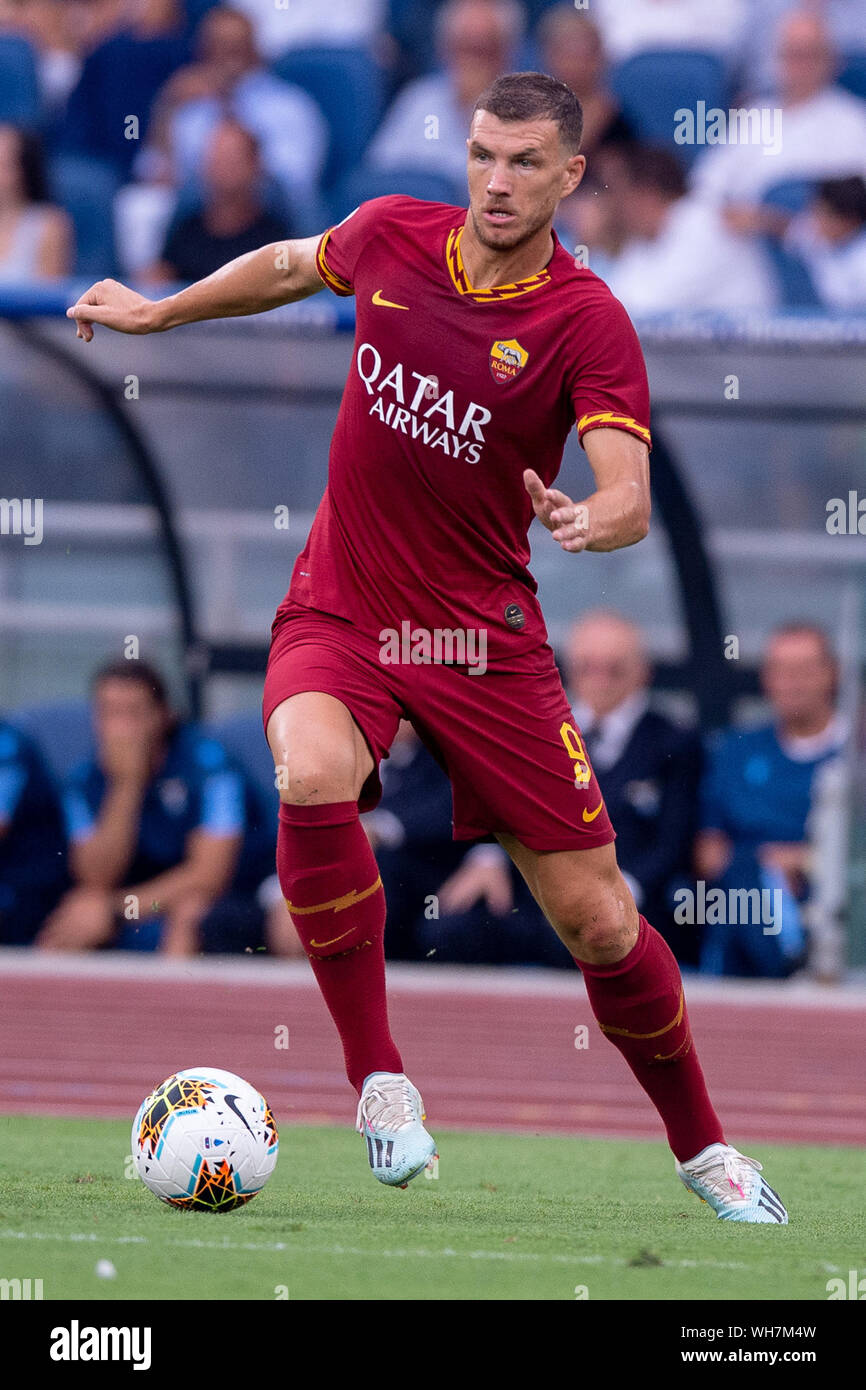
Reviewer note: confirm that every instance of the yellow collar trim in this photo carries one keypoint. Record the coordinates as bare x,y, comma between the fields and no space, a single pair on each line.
460,279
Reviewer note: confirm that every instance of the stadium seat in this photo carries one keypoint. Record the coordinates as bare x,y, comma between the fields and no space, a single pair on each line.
62,730
242,737
792,274
349,88
853,74
19,85
364,184
790,195
86,187
652,87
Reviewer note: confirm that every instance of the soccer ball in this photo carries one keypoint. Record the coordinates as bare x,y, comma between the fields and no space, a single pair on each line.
204,1140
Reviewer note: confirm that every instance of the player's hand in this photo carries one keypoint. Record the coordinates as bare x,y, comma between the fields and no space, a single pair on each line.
567,520
125,759
83,920
473,882
113,305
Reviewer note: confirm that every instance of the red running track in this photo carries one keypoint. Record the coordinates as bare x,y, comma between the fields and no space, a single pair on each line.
92,1035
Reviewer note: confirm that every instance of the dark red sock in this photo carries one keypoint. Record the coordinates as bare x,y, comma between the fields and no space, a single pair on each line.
640,1007
333,891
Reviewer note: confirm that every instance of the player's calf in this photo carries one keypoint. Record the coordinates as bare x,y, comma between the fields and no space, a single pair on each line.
587,902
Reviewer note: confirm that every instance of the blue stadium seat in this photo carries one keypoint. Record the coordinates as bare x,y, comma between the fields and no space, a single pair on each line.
790,195
853,74
85,187
243,738
349,88
363,184
19,85
792,274
653,86
62,731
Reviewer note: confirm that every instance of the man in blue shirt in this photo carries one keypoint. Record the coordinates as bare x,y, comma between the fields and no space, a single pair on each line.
168,843
756,799
32,839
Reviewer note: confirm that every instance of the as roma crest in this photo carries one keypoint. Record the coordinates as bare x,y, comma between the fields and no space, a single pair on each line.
507,360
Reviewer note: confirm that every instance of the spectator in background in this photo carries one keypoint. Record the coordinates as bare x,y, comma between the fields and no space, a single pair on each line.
822,132
233,218
61,33
167,842
830,239
121,78
479,913
845,21
425,127
756,799
678,252
572,50
35,236
410,833
307,23
640,26
228,78
647,768
32,839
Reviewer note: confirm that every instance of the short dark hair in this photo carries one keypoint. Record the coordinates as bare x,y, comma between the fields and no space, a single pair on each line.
652,166
845,197
140,672
526,96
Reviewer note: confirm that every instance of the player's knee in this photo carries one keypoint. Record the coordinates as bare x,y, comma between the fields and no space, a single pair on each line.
595,924
308,779
314,765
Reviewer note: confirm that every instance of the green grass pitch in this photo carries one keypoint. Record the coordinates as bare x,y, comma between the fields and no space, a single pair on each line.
509,1217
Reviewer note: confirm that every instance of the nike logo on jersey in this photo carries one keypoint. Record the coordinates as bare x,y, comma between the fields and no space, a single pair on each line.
591,815
386,303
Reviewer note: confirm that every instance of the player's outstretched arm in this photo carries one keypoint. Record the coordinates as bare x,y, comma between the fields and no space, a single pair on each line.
280,273
617,513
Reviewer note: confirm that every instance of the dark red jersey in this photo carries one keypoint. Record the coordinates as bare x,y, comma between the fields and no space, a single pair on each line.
451,394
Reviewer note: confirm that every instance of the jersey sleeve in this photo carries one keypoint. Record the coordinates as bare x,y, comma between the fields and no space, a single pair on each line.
13,779
80,820
715,788
340,247
222,804
609,387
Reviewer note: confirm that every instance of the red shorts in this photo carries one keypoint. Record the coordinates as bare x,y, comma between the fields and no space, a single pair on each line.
506,739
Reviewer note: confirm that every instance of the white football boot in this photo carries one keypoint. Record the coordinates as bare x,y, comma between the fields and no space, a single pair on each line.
731,1184
390,1112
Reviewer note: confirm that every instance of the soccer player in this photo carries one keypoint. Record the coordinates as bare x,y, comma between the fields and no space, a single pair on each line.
479,342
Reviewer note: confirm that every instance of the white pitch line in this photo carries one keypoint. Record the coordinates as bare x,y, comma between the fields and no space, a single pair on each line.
274,1247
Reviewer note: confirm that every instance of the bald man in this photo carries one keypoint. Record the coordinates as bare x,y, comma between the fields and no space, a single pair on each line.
648,768
819,129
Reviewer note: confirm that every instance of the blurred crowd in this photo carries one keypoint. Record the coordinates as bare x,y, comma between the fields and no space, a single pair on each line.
156,139
163,838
